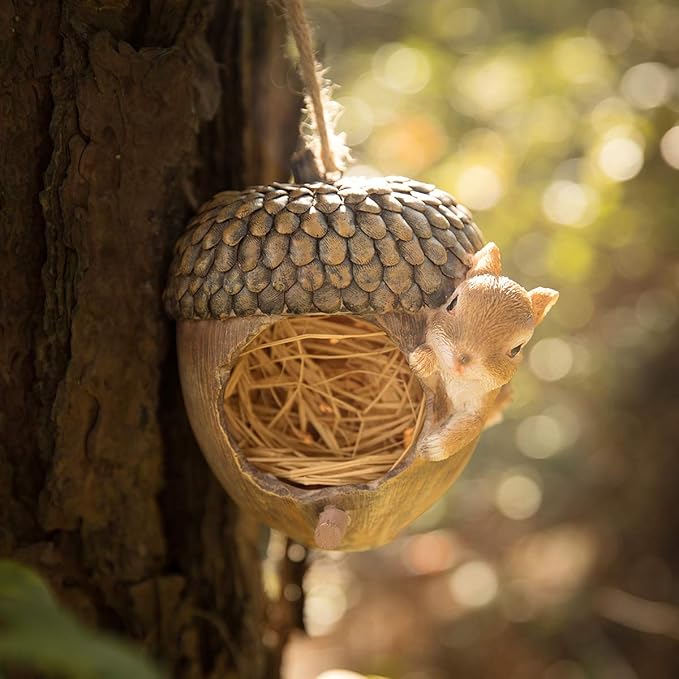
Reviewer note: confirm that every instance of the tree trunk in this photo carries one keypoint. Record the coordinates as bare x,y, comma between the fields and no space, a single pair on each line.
116,118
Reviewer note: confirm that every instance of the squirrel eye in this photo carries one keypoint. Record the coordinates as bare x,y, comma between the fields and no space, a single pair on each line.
453,303
515,350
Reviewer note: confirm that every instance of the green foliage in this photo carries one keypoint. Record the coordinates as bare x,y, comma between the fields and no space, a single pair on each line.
36,633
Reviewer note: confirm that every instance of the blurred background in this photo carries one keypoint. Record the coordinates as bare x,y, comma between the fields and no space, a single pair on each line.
556,555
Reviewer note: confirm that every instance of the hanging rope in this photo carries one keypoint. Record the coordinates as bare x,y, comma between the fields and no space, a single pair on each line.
333,152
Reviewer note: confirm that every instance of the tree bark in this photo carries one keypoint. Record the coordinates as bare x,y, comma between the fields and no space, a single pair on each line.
116,118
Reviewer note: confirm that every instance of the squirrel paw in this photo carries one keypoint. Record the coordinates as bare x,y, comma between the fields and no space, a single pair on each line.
423,361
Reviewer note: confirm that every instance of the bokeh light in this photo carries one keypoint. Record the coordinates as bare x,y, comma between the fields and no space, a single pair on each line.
518,496
549,565
647,85
479,187
486,86
292,592
401,68
539,436
462,26
569,203
621,158
296,552
324,605
580,60
669,147
430,552
551,359
474,584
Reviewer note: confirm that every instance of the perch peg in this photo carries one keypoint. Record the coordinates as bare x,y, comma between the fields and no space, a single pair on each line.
331,527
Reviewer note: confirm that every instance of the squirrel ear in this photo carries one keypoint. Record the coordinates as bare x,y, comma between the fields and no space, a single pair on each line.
486,260
541,301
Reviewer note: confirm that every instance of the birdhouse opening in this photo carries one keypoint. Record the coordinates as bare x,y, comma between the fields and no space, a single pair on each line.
323,401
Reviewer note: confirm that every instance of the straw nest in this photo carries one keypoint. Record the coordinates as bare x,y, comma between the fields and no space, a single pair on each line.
323,401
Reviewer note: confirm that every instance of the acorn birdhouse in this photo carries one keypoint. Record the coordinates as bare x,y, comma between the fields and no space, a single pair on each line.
299,311
296,306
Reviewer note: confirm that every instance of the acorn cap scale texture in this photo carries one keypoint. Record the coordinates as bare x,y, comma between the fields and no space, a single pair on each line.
360,245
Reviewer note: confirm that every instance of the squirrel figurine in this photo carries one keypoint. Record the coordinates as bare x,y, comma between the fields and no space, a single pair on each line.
473,348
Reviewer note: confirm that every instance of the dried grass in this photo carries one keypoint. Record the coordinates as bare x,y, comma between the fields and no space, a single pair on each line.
323,401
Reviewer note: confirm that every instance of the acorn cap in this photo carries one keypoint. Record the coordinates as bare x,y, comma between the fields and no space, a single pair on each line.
360,245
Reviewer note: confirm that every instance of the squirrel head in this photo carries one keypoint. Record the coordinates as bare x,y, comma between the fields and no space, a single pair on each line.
479,333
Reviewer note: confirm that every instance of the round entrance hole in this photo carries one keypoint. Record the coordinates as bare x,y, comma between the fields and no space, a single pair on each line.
323,401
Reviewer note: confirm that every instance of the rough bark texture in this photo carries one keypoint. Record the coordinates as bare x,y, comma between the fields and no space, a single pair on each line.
116,119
